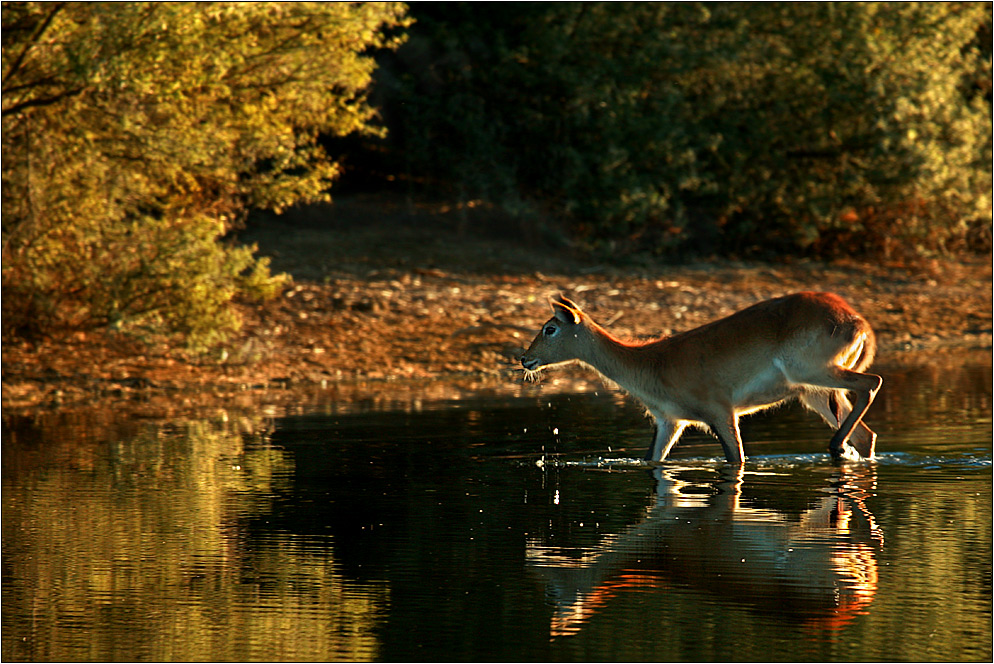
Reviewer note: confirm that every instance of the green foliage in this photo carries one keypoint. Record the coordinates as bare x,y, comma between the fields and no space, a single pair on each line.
719,127
135,136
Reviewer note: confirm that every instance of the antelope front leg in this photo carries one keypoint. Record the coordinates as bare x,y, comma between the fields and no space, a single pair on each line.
667,433
727,432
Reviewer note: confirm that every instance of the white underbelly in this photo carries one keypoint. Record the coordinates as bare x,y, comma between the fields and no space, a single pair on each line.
762,389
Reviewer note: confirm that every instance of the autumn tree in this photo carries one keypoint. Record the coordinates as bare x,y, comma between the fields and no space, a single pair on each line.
136,135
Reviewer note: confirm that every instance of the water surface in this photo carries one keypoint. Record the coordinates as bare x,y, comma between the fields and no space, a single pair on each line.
505,524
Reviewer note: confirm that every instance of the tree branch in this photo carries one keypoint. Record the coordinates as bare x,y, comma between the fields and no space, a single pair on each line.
43,101
16,64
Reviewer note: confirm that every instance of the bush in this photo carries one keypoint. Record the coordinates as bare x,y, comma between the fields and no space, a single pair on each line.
726,127
136,135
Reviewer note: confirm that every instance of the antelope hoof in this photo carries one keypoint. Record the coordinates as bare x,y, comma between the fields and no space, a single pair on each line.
844,452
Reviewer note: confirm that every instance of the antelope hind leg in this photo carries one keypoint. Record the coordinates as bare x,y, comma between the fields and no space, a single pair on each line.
834,408
865,387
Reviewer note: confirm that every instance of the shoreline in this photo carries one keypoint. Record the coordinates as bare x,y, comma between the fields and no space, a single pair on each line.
402,324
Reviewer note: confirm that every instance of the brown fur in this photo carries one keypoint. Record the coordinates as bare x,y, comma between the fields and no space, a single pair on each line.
810,346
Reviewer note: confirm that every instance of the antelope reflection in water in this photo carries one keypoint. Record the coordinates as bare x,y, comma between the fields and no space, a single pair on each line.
819,569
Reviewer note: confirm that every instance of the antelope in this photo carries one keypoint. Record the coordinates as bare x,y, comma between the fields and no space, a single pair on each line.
809,346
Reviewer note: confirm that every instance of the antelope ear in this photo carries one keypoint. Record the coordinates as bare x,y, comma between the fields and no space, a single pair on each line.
562,299
565,311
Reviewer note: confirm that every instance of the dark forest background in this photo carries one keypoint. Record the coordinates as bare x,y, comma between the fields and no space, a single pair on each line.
771,128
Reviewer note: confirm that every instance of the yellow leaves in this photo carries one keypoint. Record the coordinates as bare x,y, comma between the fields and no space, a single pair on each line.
184,112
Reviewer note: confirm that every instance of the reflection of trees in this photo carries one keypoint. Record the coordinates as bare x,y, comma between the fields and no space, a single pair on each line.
818,570
133,549
932,389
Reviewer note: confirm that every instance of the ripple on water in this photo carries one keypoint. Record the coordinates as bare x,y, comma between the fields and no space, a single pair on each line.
968,460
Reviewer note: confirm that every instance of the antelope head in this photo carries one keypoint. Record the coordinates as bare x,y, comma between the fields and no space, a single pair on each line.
562,338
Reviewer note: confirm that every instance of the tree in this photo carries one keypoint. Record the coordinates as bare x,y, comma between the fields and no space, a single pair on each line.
136,135
717,127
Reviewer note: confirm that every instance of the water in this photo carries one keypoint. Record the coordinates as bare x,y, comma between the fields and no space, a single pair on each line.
505,524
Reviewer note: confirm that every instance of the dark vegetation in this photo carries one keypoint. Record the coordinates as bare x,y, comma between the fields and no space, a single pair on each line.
764,128
137,137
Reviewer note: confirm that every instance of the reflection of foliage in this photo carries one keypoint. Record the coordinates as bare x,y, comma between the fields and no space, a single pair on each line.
149,527
716,126
135,134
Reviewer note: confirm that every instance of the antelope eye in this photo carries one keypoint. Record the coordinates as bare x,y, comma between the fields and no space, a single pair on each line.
550,330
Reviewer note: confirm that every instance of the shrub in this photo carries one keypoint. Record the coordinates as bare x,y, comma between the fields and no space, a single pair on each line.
724,127
136,135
